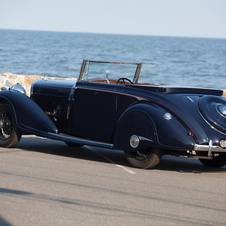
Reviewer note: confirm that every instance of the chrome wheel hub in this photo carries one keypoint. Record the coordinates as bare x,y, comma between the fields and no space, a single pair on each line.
134,141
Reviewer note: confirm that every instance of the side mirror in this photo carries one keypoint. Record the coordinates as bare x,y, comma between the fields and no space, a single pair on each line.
7,86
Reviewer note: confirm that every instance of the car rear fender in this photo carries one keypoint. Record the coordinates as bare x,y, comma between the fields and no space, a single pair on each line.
30,118
145,125
135,123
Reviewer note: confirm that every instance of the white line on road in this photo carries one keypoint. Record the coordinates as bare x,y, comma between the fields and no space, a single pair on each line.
109,160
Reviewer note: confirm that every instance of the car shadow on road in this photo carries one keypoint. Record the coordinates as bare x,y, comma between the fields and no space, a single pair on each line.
4,222
55,147
168,163
186,165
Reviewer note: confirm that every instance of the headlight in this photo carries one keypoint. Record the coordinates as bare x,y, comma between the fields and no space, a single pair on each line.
221,109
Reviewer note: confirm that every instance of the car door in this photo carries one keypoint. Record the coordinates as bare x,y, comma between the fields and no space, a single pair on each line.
96,110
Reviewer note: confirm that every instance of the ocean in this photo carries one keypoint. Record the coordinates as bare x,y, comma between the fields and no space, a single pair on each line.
178,60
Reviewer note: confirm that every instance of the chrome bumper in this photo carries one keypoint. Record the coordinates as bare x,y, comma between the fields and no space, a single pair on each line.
209,148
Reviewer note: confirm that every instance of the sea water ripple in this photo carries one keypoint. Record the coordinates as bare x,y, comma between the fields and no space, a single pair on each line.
178,60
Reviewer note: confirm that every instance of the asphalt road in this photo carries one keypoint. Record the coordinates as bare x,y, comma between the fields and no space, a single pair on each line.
45,182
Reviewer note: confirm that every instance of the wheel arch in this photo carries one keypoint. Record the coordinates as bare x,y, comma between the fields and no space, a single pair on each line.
135,123
9,133
29,117
159,131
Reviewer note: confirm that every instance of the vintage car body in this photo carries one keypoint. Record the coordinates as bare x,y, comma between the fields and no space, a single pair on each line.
146,121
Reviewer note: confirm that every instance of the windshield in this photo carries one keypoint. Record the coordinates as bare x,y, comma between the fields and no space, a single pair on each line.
113,70
147,72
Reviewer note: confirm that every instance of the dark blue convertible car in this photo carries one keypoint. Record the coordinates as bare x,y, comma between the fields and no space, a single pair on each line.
109,106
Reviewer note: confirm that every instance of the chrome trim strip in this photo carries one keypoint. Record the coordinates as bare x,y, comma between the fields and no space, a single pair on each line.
144,138
189,98
107,91
135,140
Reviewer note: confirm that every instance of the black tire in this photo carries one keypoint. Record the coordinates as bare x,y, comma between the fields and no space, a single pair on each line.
217,161
145,158
9,133
73,145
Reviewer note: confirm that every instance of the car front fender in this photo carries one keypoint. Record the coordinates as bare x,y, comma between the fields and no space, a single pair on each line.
147,123
30,118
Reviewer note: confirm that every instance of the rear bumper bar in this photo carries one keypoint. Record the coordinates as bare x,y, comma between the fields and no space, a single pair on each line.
209,148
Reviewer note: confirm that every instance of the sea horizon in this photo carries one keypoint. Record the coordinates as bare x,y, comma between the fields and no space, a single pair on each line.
178,60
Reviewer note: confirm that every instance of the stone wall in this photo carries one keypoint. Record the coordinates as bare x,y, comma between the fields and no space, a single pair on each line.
27,80
24,80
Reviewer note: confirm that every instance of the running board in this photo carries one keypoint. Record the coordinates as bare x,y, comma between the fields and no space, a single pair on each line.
78,140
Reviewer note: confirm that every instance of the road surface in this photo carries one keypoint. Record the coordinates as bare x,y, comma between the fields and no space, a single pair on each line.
45,182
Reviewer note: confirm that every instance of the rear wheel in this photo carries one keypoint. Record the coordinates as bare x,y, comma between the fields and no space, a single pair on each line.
9,133
145,158
218,160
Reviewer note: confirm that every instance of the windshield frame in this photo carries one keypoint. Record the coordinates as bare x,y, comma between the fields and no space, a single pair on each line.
83,75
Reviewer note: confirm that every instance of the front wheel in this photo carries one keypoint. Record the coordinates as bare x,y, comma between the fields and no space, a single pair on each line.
145,158
218,161
9,133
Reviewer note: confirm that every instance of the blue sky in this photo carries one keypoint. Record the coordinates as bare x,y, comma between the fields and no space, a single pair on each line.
188,18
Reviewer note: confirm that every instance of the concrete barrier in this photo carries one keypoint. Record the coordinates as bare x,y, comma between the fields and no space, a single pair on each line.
24,80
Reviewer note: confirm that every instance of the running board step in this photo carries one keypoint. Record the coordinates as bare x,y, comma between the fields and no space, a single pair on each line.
78,140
